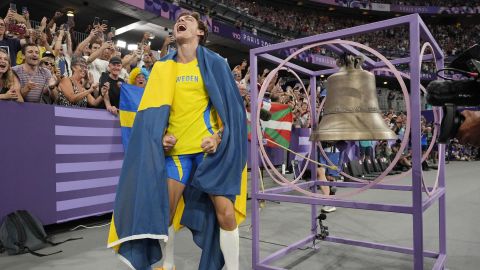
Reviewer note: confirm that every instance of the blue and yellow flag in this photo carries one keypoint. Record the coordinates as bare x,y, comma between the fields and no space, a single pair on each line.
141,213
130,97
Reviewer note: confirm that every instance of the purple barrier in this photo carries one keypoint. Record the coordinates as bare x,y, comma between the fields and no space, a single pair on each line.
299,142
276,155
59,163
62,163
27,160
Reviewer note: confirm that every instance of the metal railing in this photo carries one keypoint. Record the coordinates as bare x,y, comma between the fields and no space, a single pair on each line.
78,36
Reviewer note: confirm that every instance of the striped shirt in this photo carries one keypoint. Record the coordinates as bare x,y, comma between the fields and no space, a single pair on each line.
40,77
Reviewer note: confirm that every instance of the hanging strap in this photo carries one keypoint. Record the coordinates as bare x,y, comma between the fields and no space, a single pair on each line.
38,254
61,242
21,234
31,224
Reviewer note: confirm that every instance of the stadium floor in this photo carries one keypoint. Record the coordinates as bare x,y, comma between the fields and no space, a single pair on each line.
285,223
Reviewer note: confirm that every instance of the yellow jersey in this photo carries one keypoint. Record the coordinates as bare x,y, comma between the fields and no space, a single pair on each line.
192,115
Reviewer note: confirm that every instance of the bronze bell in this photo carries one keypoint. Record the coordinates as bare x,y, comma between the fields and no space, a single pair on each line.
351,109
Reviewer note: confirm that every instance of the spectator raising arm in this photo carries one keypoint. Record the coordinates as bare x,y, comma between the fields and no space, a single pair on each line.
44,42
69,44
58,42
51,24
43,24
26,15
84,44
168,40
96,54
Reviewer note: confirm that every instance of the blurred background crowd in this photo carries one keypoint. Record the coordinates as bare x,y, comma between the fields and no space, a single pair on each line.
48,60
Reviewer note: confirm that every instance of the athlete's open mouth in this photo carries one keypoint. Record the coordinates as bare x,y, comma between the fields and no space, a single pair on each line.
181,28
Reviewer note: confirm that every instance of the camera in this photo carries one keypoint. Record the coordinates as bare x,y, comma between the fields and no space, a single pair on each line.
449,94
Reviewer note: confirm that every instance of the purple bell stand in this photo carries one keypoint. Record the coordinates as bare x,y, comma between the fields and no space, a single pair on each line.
417,30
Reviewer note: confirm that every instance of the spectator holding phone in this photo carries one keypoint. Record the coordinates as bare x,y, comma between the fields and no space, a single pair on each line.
113,82
11,45
169,40
16,23
148,61
9,83
36,36
26,16
63,51
52,25
84,47
98,59
242,66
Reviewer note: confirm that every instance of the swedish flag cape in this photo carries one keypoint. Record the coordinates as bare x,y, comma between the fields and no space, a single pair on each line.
130,97
140,217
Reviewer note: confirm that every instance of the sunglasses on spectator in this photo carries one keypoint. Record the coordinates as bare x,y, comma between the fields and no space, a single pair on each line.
49,64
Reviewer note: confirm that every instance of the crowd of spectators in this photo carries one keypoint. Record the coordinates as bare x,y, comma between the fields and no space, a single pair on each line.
43,56
389,149
436,3
44,64
294,22
282,89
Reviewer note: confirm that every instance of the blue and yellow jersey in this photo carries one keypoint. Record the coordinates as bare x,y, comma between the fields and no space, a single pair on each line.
192,116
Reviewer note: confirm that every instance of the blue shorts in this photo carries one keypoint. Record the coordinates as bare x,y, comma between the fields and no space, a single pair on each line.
334,158
180,167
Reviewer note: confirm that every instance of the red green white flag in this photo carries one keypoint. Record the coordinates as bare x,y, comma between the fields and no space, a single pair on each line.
279,127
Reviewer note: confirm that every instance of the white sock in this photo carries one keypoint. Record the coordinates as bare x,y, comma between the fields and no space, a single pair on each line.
168,251
230,246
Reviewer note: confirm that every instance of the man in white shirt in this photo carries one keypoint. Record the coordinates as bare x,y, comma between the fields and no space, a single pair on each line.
98,59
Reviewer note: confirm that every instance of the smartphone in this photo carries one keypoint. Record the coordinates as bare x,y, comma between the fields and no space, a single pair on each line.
172,47
96,21
24,10
105,22
70,20
112,30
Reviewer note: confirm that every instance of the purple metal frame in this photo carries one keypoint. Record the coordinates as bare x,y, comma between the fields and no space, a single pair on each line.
417,29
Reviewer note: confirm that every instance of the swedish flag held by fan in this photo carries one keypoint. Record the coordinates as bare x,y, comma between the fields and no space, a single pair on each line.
186,159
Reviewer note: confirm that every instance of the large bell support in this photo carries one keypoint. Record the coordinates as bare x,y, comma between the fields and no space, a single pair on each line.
351,109
419,204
